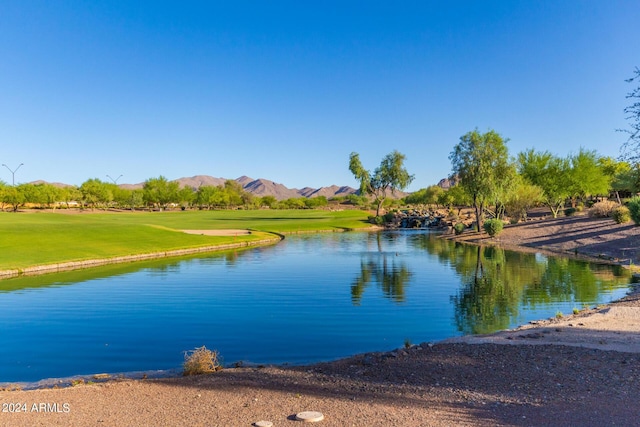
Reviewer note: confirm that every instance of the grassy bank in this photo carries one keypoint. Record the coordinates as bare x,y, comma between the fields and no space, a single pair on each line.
42,238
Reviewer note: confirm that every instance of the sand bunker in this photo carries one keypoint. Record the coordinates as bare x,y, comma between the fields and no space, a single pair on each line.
227,232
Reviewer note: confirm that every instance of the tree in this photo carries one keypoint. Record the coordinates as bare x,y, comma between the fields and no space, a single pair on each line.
459,197
359,201
268,201
14,196
70,194
49,194
186,196
388,177
548,172
586,176
204,196
3,189
481,163
522,197
627,180
95,192
160,192
131,198
426,196
315,202
631,148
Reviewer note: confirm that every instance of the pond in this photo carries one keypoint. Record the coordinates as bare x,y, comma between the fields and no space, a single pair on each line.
310,298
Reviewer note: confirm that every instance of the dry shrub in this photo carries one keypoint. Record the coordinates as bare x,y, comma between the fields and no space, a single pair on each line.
603,209
201,361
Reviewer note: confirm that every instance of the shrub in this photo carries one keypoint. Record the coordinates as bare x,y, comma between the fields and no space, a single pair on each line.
569,211
634,209
493,227
201,361
377,220
602,209
621,214
388,217
458,228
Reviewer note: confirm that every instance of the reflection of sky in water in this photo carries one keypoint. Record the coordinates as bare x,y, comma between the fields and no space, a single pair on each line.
312,297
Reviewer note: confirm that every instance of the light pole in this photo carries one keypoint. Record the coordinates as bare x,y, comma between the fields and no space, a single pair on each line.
13,173
115,181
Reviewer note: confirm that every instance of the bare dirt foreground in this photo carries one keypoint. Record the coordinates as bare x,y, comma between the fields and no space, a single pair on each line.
581,370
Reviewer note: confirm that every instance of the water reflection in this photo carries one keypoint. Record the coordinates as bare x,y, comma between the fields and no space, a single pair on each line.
495,284
155,268
392,277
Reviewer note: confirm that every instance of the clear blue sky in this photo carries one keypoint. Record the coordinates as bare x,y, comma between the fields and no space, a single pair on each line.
286,90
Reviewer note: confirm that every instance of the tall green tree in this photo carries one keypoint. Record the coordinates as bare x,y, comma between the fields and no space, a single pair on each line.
268,201
522,197
160,192
548,172
459,197
586,176
390,176
481,163
426,196
234,193
624,177
204,195
96,193
631,148
14,196
69,195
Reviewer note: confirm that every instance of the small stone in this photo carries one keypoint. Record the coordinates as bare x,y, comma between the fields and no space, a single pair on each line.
263,424
310,416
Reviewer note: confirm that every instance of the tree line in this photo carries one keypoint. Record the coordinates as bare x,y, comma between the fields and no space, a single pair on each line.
156,193
486,178
494,183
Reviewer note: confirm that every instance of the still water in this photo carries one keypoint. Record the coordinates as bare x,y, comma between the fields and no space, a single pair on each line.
309,298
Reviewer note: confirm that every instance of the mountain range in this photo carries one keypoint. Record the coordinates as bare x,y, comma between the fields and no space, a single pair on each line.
260,187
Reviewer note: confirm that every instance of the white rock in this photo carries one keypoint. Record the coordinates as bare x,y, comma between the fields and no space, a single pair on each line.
310,416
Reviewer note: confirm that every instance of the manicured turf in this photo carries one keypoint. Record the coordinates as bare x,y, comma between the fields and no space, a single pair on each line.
39,238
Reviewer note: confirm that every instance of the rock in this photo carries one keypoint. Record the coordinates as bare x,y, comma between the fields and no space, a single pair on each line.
310,416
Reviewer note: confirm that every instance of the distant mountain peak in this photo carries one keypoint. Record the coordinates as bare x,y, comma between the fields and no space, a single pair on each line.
258,187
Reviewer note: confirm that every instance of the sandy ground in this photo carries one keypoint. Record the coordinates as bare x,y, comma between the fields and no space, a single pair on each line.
226,232
583,369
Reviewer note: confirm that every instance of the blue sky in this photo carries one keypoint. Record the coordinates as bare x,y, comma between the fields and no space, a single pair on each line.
286,90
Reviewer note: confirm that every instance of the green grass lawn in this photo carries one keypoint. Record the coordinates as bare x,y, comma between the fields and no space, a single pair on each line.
40,238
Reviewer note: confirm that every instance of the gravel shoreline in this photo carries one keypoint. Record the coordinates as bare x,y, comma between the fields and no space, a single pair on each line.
583,369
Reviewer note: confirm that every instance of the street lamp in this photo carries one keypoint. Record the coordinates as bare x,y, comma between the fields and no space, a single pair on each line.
115,181
13,173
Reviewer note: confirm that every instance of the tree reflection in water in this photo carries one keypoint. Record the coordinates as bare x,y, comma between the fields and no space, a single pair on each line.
495,284
392,279
391,276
